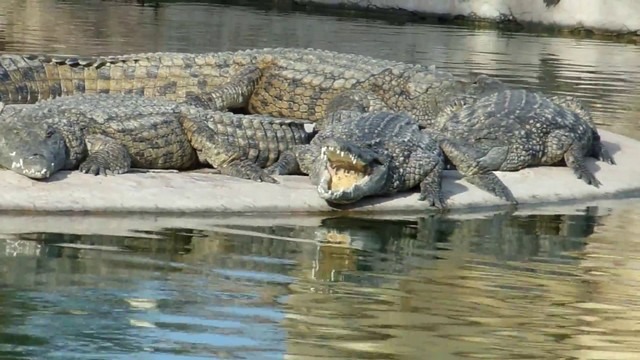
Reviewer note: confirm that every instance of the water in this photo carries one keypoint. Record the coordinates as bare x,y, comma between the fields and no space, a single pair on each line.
524,286
466,286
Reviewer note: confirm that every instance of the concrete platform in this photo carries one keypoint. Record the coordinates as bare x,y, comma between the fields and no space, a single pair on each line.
615,16
208,193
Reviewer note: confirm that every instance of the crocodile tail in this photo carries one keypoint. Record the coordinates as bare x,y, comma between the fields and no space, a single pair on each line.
25,79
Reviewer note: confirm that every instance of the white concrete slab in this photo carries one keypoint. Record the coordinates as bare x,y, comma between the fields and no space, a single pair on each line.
612,15
209,193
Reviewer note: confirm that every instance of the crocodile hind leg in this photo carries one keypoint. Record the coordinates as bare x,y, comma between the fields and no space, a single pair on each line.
600,152
235,93
576,161
562,144
220,153
106,156
476,170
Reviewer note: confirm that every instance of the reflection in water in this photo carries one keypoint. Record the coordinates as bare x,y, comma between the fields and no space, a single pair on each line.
604,74
500,286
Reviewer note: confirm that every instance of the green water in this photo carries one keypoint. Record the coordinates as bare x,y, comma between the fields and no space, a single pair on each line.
462,286
559,285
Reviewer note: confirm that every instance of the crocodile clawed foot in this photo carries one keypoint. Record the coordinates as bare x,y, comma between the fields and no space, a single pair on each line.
431,189
106,156
248,170
264,177
95,166
587,176
287,164
490,183
433,199
576,163
605,155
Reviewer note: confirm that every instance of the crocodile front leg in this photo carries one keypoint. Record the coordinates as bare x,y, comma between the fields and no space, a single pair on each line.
300,160
431,185
287,164
475,170
221,153
490,183
235,93
106,156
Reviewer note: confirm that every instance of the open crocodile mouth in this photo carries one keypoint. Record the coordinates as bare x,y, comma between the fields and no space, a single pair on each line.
345,169
348,177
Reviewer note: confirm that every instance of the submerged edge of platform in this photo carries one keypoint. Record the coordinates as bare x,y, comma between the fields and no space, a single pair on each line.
191,192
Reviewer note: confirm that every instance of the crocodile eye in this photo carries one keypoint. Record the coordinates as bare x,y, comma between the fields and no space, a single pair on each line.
50,132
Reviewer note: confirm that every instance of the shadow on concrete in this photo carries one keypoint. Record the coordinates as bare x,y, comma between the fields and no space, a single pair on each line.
58,176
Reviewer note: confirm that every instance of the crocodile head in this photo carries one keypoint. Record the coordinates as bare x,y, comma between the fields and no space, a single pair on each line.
34,150
483,85
349,172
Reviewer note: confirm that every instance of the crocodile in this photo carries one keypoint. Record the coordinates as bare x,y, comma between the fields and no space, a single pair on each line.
112,133
508,129
368,154
282,82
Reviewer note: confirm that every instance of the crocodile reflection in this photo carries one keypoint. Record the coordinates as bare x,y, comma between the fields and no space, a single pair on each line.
344,245
164,241
346,280
339,246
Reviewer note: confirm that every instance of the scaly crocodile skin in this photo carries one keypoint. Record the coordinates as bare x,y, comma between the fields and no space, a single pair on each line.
510,129
283,82
109,133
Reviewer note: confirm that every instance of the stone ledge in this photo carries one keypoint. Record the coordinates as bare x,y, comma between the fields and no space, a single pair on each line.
191,192
613,18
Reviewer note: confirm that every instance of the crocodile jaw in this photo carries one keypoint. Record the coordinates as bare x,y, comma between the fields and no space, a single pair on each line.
31,150
33,166
348,176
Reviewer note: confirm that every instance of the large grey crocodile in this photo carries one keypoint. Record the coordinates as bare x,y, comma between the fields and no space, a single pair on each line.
370,154
283,82
507,129
110,133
